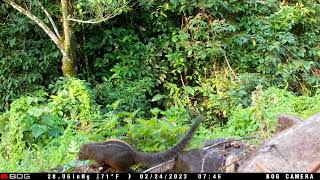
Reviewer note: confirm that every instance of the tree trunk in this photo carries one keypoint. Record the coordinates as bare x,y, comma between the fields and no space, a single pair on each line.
67,52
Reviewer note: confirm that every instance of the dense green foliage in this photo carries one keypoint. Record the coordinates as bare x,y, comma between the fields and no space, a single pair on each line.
238,63
28,59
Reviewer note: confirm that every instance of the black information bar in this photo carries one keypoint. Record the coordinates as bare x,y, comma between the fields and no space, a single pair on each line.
160,176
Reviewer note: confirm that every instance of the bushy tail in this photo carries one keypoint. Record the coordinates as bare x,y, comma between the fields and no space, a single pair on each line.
151,159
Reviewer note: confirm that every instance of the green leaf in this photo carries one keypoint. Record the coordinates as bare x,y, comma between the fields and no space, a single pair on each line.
37,130
189,90
12,42
155,111
163,14
55,132
29,100
35,111
157,97
49,119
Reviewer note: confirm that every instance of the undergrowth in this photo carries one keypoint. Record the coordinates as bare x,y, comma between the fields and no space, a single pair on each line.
45,130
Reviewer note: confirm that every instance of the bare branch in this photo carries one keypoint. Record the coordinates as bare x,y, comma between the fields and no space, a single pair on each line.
234,74
203,161
40,23
50,19
93,21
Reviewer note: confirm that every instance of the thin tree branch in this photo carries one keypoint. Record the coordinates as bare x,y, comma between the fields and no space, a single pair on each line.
50,19
203,161
234,74
40,23
228,141
92,21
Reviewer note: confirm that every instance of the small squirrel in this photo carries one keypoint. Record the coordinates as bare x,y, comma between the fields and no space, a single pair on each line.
121,156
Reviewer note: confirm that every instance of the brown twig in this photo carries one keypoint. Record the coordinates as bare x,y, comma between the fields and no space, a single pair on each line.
228,64
227,141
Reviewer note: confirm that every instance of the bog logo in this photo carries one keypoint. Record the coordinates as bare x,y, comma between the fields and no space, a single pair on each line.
15,176
4,176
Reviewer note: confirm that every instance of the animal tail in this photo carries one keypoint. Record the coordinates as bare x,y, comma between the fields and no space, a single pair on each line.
151,159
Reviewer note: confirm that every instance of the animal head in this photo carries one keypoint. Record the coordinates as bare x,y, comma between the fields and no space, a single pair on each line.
84,152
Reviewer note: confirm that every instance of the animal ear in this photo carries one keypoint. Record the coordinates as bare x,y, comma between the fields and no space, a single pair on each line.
83,147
